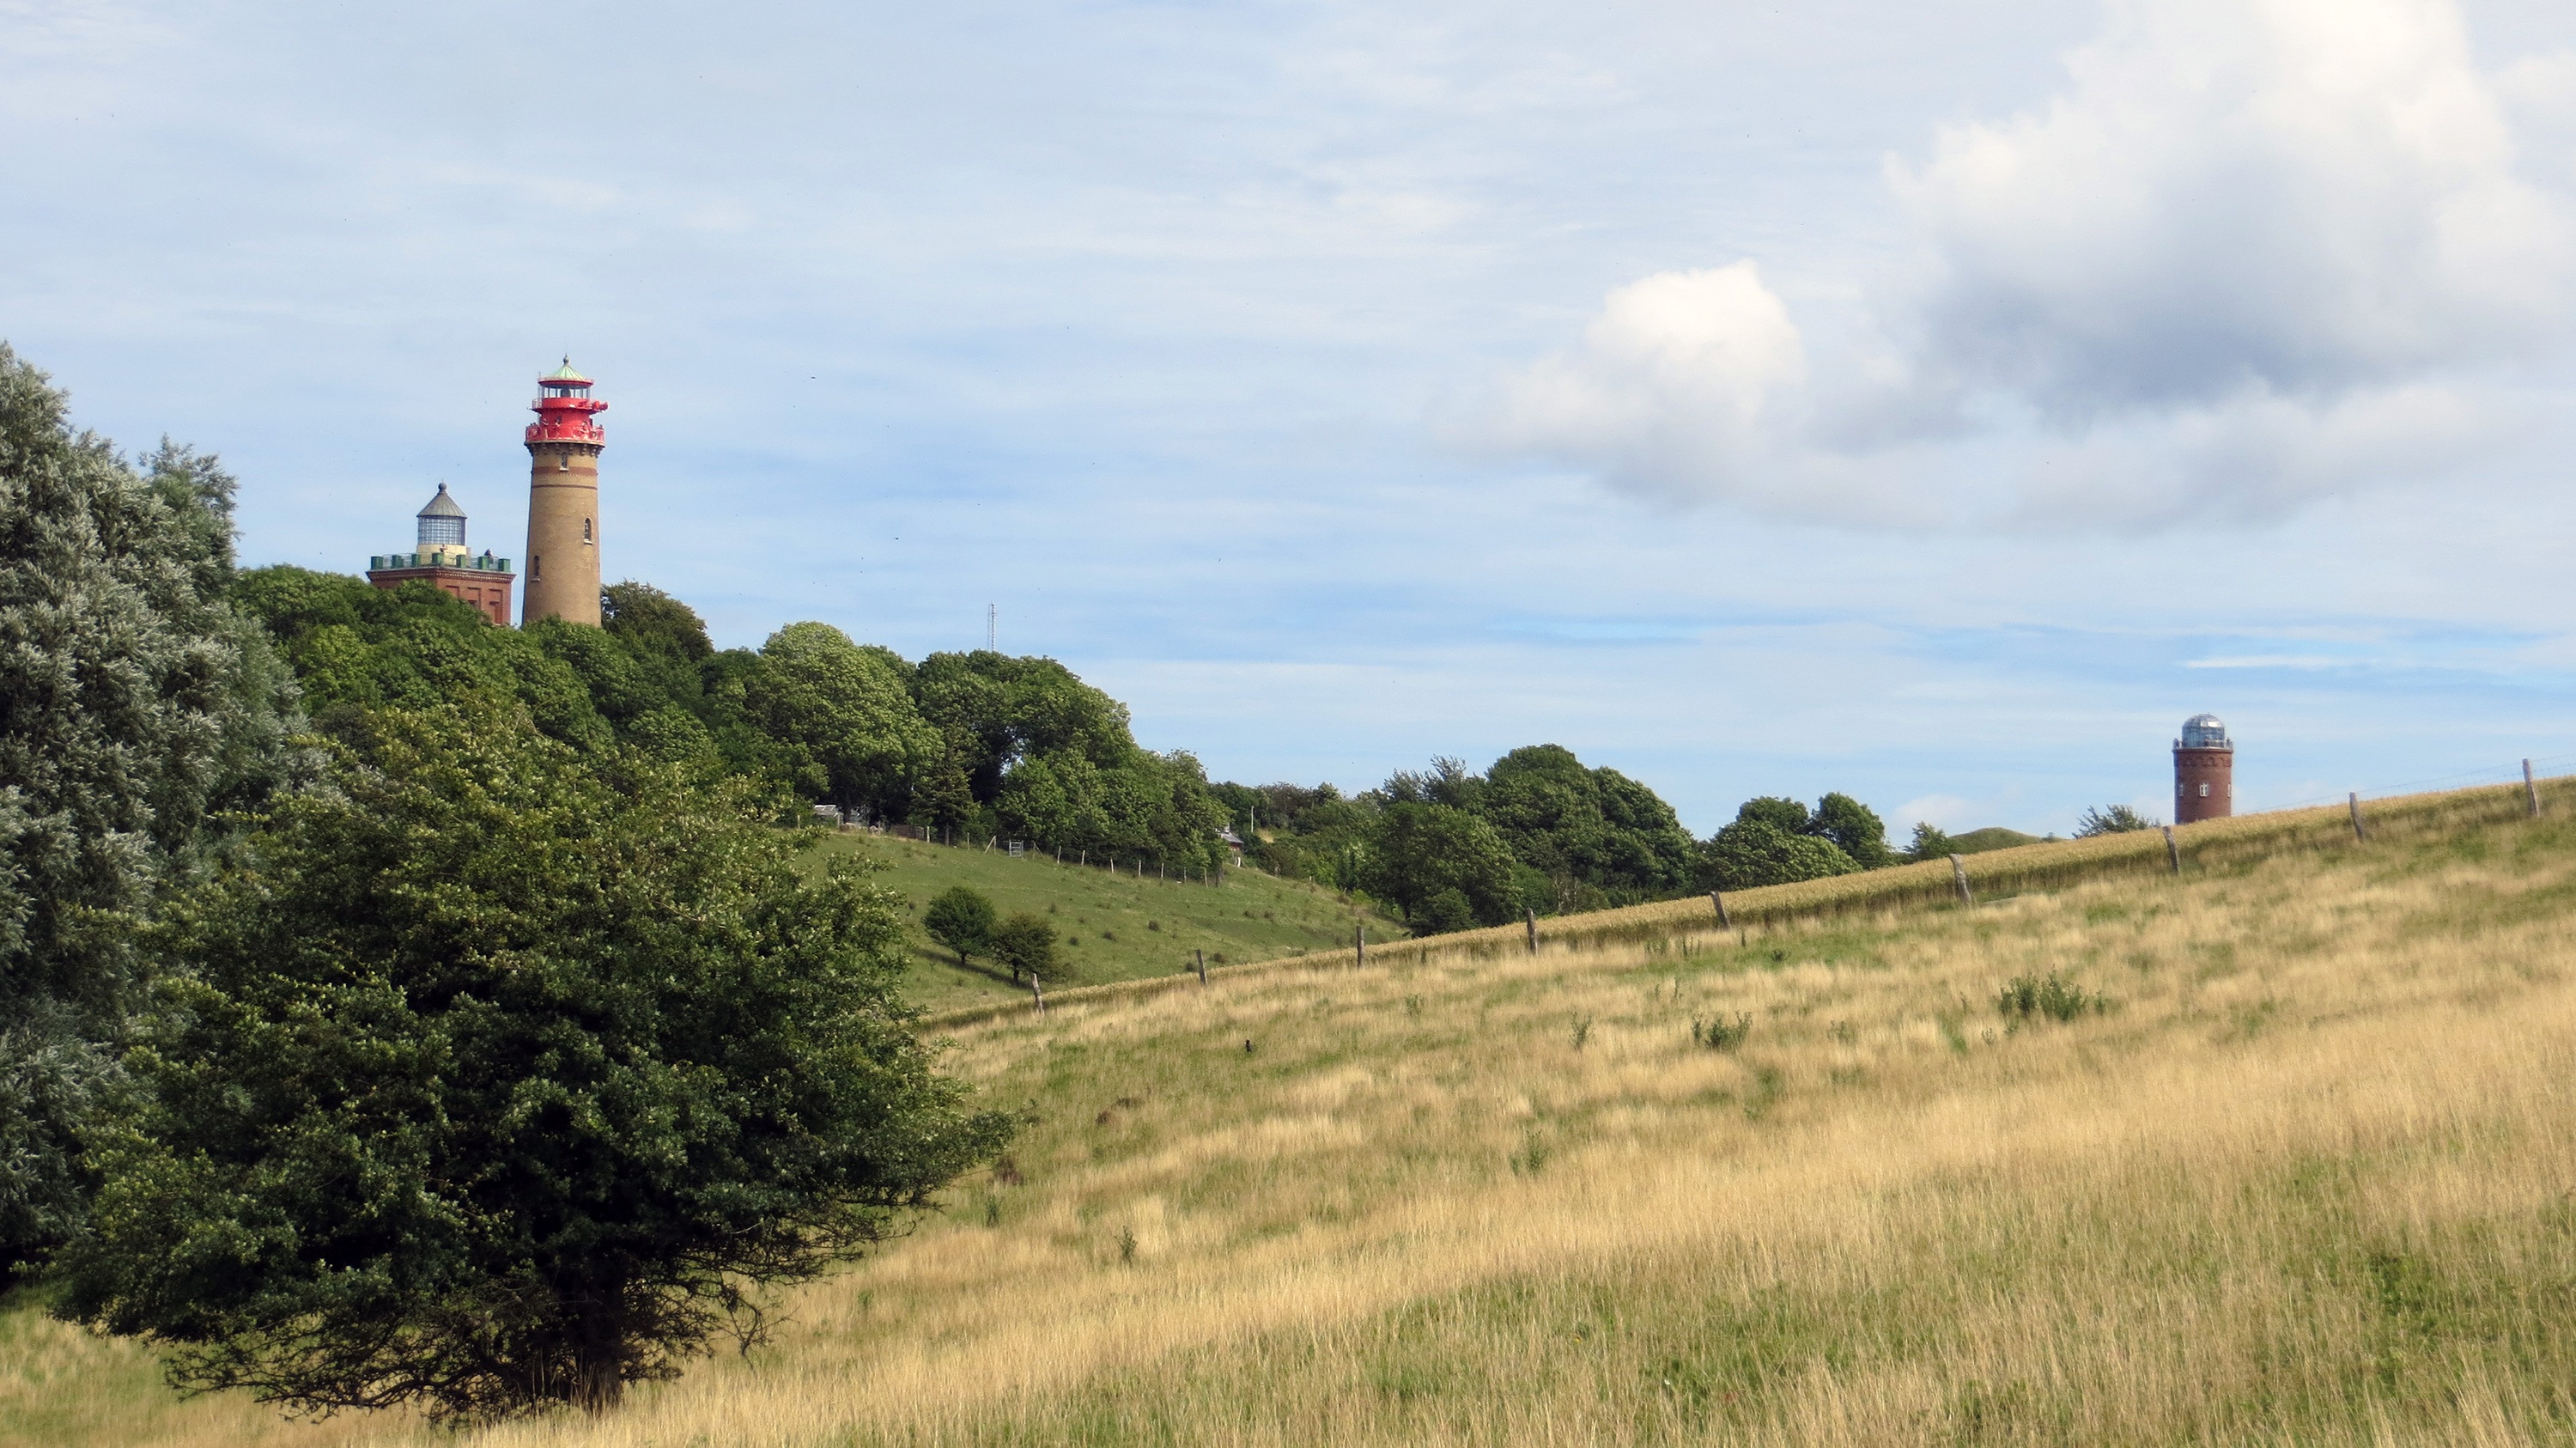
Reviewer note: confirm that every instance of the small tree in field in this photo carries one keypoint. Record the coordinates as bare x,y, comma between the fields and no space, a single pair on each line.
488,1079
1025,945
960,919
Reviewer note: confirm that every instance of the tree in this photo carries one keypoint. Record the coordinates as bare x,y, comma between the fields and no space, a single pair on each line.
2115,819
497,1077
1420,852
1931,842
1156,806
355,647
1854,828
653,623
1446,911
1025,946
1785,815
944,798
961,919
1306,834
1002,710
135,707
847,708
1755,851
1597,835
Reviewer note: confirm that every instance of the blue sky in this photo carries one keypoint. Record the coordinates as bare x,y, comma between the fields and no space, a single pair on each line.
1935,403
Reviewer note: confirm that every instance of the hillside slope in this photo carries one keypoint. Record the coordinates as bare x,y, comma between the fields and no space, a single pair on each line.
2295,1168
1116,926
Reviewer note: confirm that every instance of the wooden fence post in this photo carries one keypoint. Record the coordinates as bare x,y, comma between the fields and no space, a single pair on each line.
1039,992
1532,915
1202,958
1718,900
2173,851
2531,789
1359,944
1959,876
2358,833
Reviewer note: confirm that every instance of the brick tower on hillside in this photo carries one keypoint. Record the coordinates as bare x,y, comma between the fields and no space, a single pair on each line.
2204,771
564,444
439,557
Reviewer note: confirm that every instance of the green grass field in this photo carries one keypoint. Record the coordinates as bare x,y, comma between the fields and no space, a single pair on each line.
1112,927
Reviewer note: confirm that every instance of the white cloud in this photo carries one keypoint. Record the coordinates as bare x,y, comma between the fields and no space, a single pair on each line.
2300,195
1674,389
2248,458
2256,254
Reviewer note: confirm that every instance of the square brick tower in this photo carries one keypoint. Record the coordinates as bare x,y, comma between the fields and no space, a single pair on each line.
439,556
2204,771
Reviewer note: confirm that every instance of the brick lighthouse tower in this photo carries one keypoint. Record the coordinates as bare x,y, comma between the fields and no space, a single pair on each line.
2204,771
564,444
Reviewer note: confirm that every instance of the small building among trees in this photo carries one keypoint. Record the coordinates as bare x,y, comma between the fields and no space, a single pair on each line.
438,555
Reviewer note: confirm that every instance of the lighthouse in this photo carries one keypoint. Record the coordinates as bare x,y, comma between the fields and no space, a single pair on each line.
2204,771
564,444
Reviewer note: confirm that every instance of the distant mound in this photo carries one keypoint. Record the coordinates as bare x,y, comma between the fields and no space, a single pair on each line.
1993,837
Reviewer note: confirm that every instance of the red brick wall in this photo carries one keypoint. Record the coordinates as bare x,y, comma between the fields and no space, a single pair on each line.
489,592
2204,784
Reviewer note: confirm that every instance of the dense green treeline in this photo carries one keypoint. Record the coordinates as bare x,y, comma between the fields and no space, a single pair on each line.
973,745
1541,832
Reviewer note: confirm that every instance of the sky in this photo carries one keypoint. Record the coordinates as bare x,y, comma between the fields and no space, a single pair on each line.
1935,403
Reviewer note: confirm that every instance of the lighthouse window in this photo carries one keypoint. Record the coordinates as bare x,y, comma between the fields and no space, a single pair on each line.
2204,791
585,530
536,568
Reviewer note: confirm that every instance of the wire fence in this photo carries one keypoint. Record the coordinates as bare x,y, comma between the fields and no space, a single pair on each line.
2539,767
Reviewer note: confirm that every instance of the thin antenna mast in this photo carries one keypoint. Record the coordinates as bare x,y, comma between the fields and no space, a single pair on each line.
992,627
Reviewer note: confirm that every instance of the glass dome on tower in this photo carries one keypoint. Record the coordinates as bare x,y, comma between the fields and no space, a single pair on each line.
442,523
2203,731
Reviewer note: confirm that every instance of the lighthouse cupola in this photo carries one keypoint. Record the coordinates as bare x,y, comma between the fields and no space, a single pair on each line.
442,524
564,444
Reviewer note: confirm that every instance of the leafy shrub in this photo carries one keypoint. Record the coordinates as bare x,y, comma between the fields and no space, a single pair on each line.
2116,819
1444,913
2054,996
1721,1034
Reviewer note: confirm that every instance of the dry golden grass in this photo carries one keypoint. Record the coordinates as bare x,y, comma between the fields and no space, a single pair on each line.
2307,1181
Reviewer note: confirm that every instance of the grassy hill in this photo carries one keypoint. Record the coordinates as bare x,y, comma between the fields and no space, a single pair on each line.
2293,1167
1992,837
1115,926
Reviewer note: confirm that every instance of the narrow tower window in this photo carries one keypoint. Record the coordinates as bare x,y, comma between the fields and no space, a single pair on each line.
585,530
536,568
